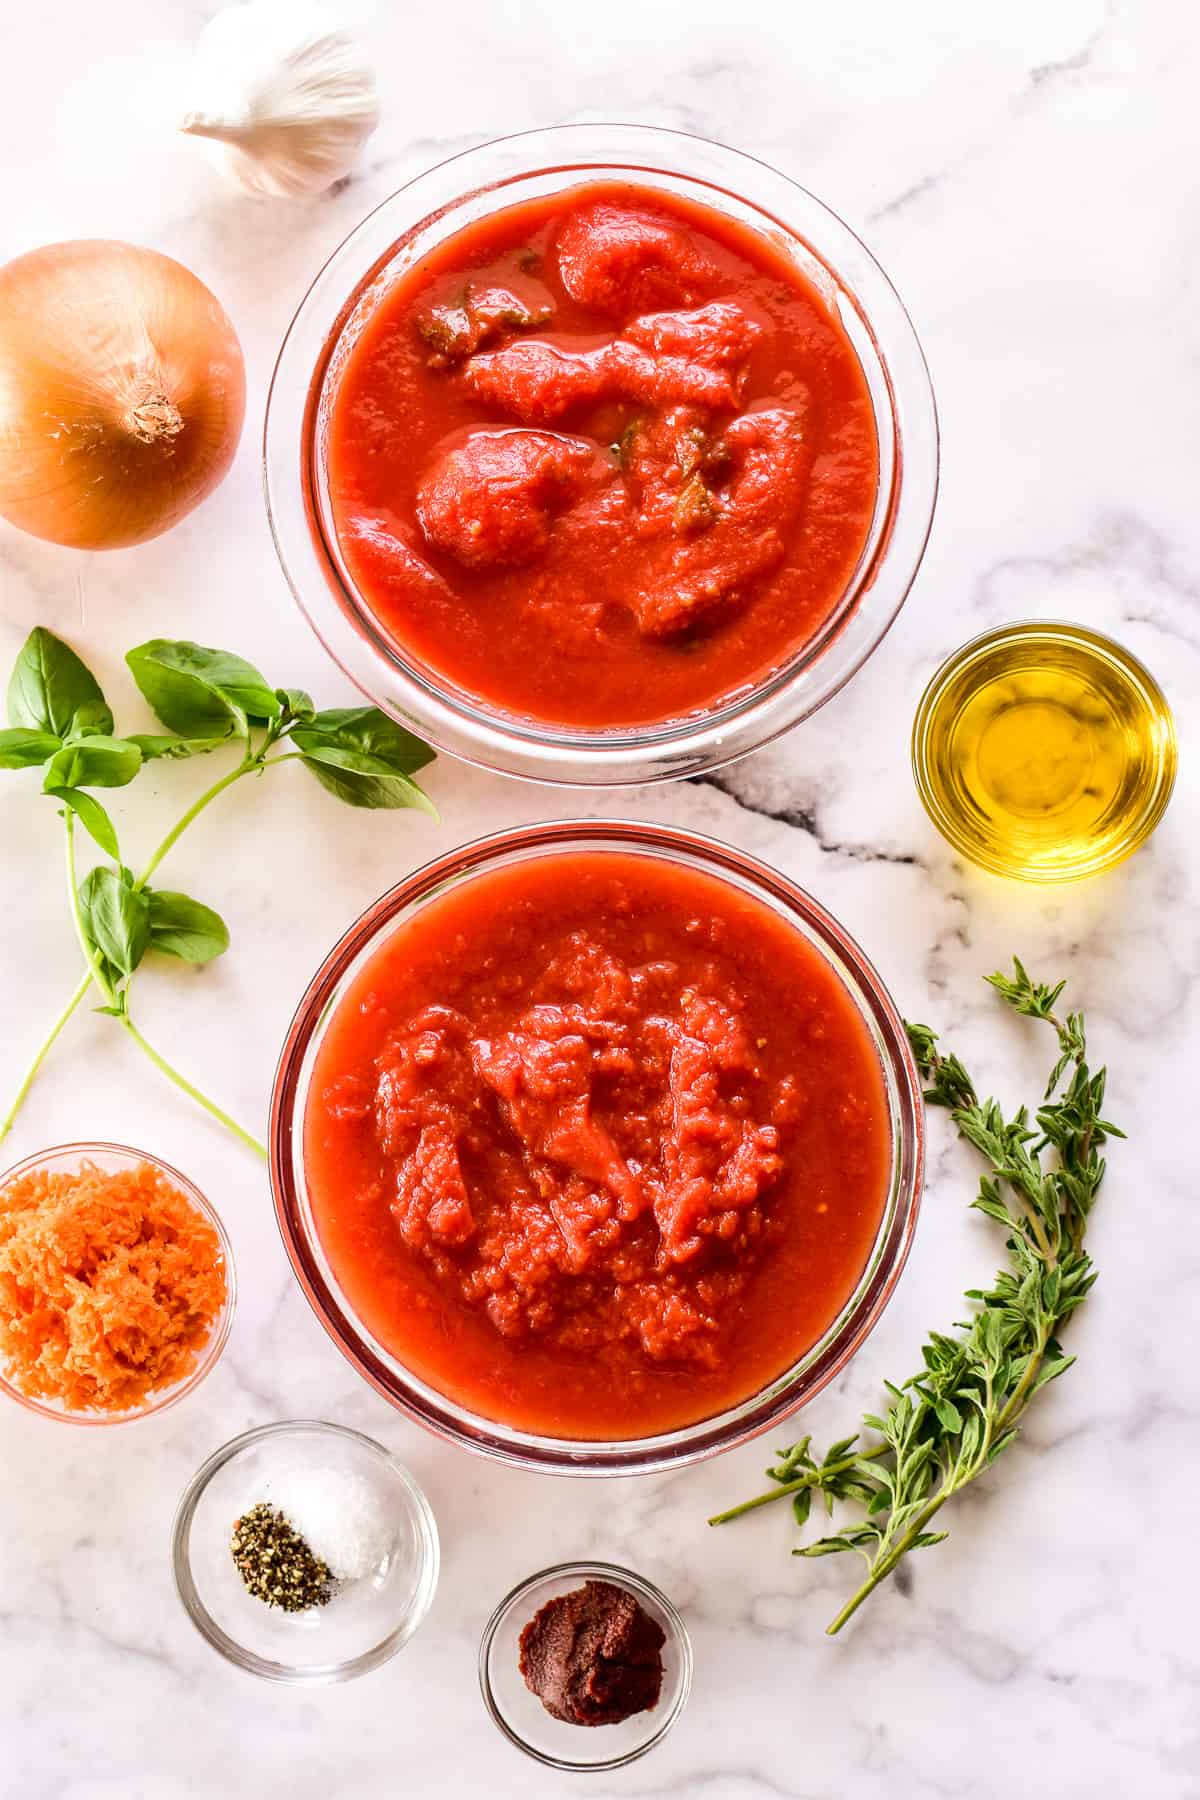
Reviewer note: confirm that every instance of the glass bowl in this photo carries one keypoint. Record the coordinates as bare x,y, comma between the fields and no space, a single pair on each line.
367,1620
1112,698
466,188
66,1159
426,1404
519,1713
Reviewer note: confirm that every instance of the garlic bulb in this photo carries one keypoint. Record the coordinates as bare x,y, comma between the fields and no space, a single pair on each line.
284,96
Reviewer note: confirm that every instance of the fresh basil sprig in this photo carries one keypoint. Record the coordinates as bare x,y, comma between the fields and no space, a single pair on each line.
59,720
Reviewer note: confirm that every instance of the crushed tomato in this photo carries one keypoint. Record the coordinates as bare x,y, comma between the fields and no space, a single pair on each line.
597,1144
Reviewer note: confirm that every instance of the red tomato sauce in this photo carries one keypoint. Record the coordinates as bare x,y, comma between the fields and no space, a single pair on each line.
602,459
597,1145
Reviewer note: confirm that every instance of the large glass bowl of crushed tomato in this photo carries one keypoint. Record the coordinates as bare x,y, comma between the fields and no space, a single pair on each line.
597,1147
601,454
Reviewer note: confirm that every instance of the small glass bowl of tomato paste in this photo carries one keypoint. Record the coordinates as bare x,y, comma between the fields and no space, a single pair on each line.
601,455
597,1147
520,1714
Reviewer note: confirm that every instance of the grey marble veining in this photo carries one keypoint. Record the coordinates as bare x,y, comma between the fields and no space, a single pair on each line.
1028,176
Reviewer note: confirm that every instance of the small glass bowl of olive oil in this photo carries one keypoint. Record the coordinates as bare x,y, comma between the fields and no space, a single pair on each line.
1044,751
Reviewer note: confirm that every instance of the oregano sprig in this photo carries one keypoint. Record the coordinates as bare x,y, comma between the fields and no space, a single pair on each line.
209,700
947,1424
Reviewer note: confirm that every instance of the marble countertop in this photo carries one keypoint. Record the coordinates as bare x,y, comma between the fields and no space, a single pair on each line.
1028,176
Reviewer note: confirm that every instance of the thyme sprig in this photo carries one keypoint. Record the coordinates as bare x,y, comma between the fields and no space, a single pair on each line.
947,1424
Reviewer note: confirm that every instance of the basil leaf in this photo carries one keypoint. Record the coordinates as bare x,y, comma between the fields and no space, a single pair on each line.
183,702
368,733
355,781
297,702
198,692
92,816
182,927
50,685
21,748
116,919
93,762
92,719
175,748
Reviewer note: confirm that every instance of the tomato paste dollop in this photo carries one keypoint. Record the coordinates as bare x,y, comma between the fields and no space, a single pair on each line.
602,458
597,1144
593,1656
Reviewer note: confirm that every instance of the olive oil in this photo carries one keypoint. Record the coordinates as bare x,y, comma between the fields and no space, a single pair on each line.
1044,752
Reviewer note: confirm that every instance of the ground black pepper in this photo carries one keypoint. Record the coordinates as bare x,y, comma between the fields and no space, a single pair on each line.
276,1563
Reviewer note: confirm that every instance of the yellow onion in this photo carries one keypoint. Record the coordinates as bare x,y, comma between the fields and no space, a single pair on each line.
122,393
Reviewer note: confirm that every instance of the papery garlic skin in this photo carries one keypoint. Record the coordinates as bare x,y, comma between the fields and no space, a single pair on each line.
284,97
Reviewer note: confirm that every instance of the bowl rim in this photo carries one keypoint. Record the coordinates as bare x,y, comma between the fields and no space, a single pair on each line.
469,728
222,1324
1131,669
785,1393
586,1569
316,1674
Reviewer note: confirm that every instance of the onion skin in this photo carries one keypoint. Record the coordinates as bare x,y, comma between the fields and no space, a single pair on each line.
122,393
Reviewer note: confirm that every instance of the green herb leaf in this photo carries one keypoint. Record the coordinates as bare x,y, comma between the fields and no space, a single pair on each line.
93,762
184,702
200,693
949,1417
384,747
116,918
92,816
353,780
365,758
174,749
1034,999
184,928
296,702
22,748
92,719
230,675
51,686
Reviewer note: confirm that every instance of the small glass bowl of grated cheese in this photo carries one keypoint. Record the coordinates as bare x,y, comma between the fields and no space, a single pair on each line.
338,1508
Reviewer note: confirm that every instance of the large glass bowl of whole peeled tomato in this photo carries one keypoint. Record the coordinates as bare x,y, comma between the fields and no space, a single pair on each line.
601,454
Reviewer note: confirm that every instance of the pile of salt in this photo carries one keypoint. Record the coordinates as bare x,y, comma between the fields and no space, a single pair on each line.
338,1515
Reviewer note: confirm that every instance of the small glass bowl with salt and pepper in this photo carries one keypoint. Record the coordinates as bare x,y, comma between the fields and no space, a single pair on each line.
304,1552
